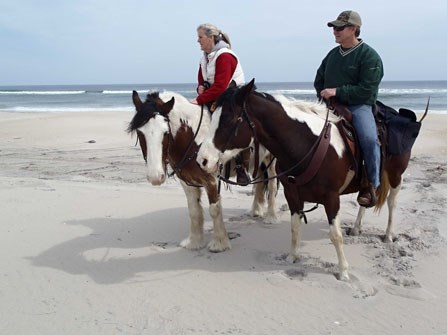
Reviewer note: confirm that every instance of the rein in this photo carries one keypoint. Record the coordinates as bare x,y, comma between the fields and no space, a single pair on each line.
177,168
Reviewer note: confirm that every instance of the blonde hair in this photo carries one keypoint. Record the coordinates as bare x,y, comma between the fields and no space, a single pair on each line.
218,35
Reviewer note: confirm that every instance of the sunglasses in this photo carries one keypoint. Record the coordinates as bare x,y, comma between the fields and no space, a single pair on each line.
341,28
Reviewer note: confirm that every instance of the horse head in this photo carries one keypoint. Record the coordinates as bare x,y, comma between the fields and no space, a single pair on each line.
230,130
151,125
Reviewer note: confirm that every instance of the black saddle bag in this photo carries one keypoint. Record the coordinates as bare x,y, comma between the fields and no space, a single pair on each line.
402,128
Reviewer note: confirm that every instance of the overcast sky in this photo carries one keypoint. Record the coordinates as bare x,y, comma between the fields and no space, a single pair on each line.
155,41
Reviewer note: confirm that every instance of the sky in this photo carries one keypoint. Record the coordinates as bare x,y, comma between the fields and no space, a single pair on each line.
63,42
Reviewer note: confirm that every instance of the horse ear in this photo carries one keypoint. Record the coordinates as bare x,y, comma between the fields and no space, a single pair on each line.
167,107
251,85
136,100
245,91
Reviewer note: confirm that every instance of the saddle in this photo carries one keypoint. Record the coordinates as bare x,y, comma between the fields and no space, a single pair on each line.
349,136
397,132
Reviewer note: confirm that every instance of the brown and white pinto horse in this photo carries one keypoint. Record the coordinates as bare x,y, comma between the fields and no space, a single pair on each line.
290,130
170,133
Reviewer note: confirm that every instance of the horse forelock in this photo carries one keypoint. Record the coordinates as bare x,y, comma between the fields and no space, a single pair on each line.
148,110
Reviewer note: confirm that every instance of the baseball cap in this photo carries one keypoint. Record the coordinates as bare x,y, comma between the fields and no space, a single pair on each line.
345,18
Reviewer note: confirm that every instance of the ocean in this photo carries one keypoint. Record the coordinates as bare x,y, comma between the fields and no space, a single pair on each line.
104,98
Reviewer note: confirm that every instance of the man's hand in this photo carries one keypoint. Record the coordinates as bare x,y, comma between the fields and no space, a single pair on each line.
328,93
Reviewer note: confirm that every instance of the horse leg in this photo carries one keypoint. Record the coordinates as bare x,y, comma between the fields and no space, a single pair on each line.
295,206
258,201
195,239
220,241
335,234
391,202
272,187
356,231
295,222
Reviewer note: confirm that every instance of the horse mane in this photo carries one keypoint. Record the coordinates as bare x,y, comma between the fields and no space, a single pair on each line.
230,96
227,96
315,108
290,105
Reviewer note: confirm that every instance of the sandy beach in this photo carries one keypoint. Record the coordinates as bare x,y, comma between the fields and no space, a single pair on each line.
90,247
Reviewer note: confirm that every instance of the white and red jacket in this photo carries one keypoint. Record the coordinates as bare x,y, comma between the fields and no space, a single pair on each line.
218,68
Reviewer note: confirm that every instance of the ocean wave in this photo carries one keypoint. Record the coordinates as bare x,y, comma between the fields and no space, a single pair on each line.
117,92
21,109
398,91
387,91
291,91
108,92
41,92
45,109
384,91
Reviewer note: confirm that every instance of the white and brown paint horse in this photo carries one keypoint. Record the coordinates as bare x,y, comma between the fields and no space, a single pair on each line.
289,129
170,130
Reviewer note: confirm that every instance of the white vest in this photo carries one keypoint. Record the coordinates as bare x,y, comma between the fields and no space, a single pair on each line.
208,66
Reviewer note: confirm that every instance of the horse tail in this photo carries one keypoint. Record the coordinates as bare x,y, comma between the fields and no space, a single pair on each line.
382,191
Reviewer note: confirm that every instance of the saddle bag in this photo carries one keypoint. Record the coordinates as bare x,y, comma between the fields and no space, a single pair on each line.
402,128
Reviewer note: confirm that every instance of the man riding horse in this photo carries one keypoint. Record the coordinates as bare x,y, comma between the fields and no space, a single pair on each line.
350,74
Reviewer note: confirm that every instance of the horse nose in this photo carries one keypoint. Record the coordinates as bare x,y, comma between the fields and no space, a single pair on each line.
204,162
156,180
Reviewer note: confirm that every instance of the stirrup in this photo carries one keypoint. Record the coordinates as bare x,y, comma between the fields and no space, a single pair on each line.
367,197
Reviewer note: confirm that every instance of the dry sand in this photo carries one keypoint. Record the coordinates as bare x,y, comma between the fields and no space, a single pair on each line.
89,247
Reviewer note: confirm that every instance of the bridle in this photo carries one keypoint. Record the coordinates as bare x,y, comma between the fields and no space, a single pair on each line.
239,121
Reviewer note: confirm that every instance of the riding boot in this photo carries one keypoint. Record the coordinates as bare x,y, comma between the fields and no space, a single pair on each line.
242,177
367,196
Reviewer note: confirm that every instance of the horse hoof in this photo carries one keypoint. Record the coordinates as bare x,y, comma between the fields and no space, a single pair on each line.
387,239
344,276
271,219
257,213
219,246
354,232
291,259
187,243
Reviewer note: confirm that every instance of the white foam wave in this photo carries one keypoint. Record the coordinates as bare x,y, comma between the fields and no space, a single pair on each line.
41,92
293,91
399,91
117,92
20,109
384,91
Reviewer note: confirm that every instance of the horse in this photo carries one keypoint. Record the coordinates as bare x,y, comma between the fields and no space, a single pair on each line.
293,130
170,133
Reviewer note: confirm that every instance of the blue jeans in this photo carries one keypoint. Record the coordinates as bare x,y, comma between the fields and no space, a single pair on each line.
365,127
